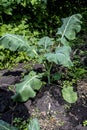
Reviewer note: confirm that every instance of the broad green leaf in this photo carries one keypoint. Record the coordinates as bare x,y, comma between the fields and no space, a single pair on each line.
64,41
5,126
71,26
45,43
14,42
26,89
69,95
34,125
61,56
32,51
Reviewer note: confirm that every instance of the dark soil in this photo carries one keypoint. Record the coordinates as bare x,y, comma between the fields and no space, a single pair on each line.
48,106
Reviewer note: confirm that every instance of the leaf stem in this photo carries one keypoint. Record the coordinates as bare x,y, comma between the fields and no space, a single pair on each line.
48,69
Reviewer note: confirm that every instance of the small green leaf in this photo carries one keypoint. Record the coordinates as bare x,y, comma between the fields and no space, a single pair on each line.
56,76
69,95
5,126
34,125
33,2
8,11
26,89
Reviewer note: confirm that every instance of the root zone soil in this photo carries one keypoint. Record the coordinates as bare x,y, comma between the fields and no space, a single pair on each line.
48,106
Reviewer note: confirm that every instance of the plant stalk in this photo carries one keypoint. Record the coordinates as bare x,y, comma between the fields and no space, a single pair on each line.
48,68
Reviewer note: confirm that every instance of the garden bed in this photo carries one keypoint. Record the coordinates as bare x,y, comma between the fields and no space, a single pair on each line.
48,106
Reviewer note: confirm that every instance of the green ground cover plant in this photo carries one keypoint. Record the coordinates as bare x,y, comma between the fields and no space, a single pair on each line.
35,12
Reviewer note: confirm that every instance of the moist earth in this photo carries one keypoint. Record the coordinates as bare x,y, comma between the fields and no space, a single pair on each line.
48,106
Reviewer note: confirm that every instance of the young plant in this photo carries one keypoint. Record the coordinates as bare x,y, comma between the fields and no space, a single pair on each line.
49,57
48,52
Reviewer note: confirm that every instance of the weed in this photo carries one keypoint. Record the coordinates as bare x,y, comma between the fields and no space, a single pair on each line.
85,123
